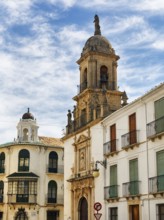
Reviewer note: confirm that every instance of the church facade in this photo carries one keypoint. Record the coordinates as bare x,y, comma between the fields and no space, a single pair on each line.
97,98
31,175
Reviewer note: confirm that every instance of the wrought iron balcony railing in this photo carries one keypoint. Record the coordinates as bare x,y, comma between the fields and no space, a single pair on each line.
58,169
131,188
108,84
111,85
55,200
155,127
110,146
130,138
156,184
111,192
81,87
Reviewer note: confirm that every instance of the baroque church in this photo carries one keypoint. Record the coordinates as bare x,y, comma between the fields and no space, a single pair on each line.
97,98
114,151
31,175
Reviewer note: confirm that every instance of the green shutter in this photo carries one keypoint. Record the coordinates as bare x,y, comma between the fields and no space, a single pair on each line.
159,113
113,175
133,172
159,108
160,163
133,169
113,182
160,170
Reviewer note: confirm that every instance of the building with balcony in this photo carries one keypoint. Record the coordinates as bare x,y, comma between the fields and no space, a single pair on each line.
98,96
31,175
134,150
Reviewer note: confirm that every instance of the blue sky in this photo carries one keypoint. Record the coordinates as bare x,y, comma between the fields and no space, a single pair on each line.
41,40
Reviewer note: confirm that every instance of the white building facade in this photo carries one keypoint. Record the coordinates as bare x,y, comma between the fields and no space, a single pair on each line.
134,150
31,175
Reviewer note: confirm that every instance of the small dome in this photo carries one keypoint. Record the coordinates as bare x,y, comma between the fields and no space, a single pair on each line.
98,43
28,115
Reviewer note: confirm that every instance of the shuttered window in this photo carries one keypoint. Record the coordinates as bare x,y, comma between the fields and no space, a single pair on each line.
160,163
159,108
113,137
113,175
133,169
113,182
133,174
132,129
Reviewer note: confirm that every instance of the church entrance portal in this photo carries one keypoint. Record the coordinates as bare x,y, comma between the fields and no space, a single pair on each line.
83,209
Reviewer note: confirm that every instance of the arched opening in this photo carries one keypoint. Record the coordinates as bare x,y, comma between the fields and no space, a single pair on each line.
24,160
21,215
52,192
83,209
84,81
103,77
25,134
1,191
53,162
2,162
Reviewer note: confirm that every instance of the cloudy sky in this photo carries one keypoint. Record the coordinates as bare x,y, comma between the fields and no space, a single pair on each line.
41,40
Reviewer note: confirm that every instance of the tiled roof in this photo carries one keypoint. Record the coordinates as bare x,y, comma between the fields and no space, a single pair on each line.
51,141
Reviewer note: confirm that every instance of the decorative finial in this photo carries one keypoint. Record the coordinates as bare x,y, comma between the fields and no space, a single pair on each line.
97,26
124,98
28,110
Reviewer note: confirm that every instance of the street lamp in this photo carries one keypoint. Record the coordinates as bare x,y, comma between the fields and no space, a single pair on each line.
96,172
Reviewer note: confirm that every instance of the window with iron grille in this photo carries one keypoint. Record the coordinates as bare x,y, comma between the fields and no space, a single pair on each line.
23,189
52,192
53,162
2,162
24,160
160,212
113,213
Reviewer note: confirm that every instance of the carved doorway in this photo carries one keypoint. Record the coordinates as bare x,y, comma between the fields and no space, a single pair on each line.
83,209
21,215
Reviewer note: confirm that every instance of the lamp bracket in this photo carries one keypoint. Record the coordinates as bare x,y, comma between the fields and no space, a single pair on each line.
102,163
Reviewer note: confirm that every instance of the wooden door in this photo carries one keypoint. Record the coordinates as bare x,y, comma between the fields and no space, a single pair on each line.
83,209
135,212
132,129
113,137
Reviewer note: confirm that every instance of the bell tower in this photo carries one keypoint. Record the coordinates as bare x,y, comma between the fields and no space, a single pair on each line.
98,97
27,128
98,94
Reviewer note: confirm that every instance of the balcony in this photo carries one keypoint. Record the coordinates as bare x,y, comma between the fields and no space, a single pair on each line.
130,139
156,184
82,87
22,198
111,192
53,200
59,169
108,84
155,128
110,147
81,121
131,189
